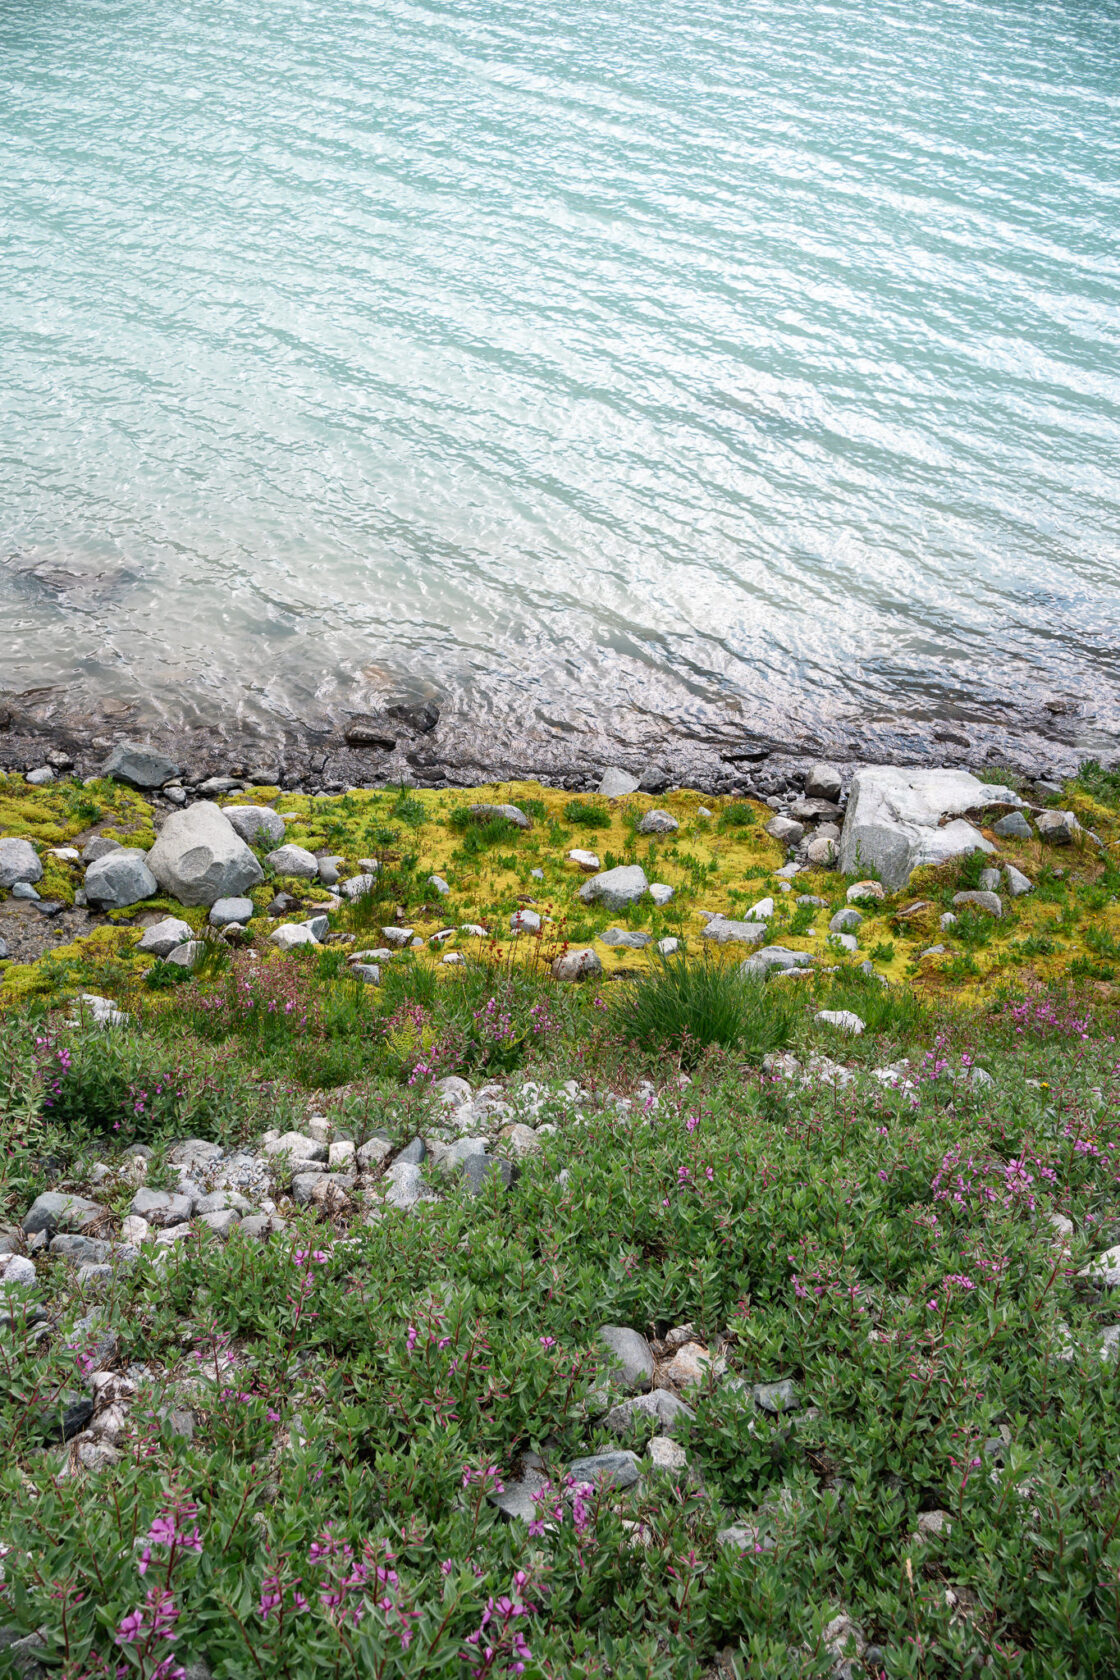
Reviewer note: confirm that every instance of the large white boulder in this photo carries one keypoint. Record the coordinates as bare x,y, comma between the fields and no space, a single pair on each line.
199,857
898,819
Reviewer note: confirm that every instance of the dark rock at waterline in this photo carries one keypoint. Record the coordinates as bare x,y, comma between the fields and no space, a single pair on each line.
138,766
421,715
366,731
749,752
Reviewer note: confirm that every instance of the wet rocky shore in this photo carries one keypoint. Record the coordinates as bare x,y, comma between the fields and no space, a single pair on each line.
420,744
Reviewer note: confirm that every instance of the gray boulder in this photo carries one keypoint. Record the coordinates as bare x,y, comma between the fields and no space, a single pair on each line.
846,921
165,936
814,811
1014,826
160,1208
660,1404
120,879
823,782
100,846
616,784
226,910
1058,828
291,934
19,861
723,932
255,824
138,766
607,1469
899,819
1017,882
188,954
358,885
511,814
785,831
616,888
199,857
294,860
55,1210
577,965
626,938
631,1362
658,822
989,901
478,1171
822,851
776,958
775,1397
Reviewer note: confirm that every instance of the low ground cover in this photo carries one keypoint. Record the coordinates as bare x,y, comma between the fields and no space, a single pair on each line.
282,1451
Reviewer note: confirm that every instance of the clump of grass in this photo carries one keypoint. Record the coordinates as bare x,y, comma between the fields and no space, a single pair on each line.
891,1011
587,813
684,1008
408,809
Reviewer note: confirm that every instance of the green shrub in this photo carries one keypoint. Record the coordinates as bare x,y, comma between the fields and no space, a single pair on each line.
737,815
587,813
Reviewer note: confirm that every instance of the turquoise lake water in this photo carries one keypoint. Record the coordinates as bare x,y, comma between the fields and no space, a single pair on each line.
570,360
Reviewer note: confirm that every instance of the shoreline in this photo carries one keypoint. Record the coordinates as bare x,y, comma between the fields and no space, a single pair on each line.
419,745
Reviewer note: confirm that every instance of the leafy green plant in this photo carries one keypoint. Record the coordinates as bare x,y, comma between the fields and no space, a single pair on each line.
736,815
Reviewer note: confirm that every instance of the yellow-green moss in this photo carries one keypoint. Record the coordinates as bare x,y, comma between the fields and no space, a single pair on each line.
711,867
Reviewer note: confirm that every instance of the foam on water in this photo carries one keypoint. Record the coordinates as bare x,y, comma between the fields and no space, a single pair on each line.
571,360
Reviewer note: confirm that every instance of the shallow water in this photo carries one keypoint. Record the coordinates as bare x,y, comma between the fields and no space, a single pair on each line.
570,361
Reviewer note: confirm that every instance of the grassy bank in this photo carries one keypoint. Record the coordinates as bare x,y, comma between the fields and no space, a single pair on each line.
310,1428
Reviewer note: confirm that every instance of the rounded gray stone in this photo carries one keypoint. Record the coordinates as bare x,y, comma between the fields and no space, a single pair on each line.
294,860
120,879
19,861
257,825
616,888
227,910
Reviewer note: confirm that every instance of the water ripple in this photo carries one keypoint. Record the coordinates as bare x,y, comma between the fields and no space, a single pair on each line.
655,366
